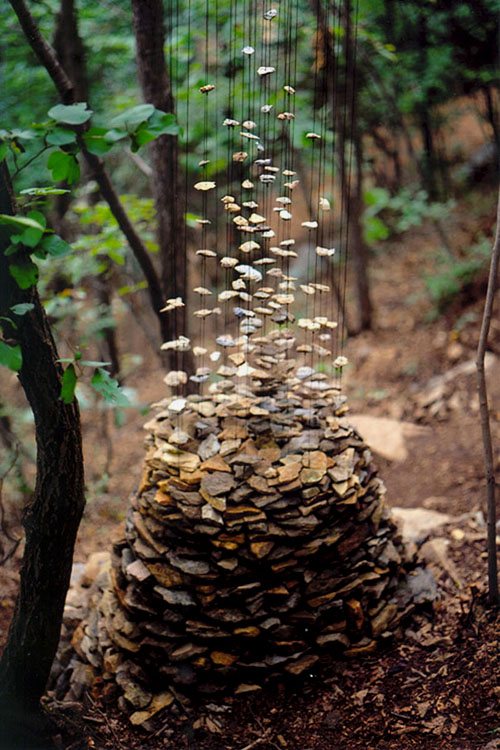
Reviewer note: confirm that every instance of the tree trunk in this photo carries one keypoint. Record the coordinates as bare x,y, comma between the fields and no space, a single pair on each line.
52,518
354,196
70,52
149,28
492,115
359,248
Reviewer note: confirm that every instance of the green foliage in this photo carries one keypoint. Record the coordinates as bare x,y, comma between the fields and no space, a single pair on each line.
22,308
387,214
68,384
456,274
108,388
101,381
73,114
10,356
63,166
25,272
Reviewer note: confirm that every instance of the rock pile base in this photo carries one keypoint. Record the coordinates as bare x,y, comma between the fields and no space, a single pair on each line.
257,545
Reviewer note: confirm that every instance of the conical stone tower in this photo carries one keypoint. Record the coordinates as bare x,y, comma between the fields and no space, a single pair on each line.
256,546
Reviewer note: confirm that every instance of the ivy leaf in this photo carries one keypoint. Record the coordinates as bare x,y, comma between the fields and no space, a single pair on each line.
68,384
108,388
4,150
73,114
133,116
10,356
22,308
25,273
55,246
61,137
96,141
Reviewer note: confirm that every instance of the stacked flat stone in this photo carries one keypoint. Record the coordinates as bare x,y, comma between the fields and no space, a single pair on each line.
256,545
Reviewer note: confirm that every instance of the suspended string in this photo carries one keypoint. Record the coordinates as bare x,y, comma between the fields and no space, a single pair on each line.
173,73
336,260
323,208
275,41
186,151
347,201
313,217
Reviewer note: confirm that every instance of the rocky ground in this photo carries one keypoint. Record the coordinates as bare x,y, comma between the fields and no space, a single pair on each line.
438,687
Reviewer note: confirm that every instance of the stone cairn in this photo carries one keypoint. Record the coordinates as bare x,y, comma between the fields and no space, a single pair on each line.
257,545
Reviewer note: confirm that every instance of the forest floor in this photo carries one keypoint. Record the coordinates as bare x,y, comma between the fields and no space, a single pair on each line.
439,685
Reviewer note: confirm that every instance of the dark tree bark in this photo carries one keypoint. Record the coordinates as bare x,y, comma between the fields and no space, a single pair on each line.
359,248
69,49
354,194
103,287
51,519
70,52
492,116
149,28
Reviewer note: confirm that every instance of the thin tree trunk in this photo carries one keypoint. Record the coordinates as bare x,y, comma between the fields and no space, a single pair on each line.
103,294
489,465
492,117
149,29
51,520
70,52
359,248
354,197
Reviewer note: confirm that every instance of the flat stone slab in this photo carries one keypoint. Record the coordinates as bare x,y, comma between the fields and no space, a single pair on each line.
417,523
387,437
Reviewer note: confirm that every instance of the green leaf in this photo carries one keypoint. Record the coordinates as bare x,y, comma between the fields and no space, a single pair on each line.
61,137
162,123
112,136
58,163
22,308
73,114
25,273
73,172
55,246
9,321
68,385
96,142
4,150
116,257
32,235
90,363
108,388
37,191
63,166
133,116
10,356
20,222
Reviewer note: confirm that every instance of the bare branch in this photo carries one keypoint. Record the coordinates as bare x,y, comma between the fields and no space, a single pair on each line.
493,594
